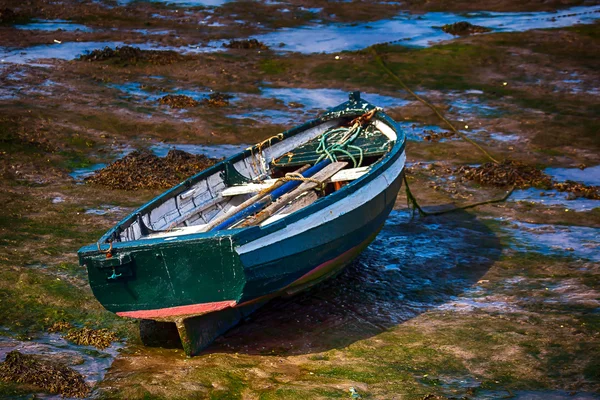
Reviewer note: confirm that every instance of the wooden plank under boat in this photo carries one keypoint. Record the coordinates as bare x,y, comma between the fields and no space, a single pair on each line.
211,250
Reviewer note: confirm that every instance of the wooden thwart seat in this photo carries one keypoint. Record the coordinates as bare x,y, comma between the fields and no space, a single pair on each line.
341,176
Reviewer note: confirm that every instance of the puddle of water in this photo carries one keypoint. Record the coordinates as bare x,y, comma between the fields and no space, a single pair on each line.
104,209
326,98
54,25
71,50
57,200
472,106
212,151
87,360
153,94
504,137
571,291
576,241
182,3
554,198
153,32
81,173
417,132
309,103
279,117
484,303
160,149
588,176
417,30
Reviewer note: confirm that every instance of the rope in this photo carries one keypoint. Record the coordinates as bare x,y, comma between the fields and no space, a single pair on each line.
107,252
412,201
259,148
382,64
344,142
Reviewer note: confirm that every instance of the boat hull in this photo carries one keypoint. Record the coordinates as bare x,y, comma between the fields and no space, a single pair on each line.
206,282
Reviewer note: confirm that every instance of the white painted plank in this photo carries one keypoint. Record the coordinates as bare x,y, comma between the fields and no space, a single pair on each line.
349,174
248,188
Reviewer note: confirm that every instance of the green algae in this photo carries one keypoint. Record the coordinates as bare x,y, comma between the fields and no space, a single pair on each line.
273,66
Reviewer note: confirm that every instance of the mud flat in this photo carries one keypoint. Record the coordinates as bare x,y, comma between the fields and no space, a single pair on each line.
486,302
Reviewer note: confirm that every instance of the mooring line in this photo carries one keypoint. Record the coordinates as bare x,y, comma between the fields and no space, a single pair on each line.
382,64
410,198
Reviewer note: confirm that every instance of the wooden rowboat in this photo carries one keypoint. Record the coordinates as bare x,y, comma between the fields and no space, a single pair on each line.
273,220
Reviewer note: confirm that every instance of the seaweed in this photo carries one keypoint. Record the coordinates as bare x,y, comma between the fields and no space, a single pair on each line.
522,176
99,338
144,170
464,28
246,44
217,99
51,376
178,101
132,55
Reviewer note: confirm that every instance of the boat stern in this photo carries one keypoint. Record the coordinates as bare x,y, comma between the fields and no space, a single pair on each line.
165,280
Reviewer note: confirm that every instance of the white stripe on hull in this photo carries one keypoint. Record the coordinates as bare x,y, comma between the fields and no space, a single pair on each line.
354,200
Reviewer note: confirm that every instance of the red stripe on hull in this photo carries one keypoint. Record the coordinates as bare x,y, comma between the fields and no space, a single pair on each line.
193,309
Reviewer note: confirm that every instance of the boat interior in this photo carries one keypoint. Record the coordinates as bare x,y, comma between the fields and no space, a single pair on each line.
238,185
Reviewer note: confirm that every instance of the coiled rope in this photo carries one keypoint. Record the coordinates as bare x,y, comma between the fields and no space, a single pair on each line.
342,138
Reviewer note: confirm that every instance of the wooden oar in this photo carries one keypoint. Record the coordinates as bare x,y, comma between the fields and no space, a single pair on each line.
317,179
250,201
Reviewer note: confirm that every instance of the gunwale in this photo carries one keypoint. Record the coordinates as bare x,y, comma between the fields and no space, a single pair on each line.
247,234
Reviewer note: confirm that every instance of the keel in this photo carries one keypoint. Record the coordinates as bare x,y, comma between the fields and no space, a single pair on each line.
196,333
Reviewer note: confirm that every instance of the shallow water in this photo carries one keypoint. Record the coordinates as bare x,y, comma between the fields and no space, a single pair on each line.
81,173
575,241
138,90
588,176
72,50
470,105
209,150
305,104
54,25
554,198
417,132
407,29
326,98
104,209
186,3
161,150
87,360
416,30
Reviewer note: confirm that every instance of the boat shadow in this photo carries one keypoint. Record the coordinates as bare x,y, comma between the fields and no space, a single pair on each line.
412,266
